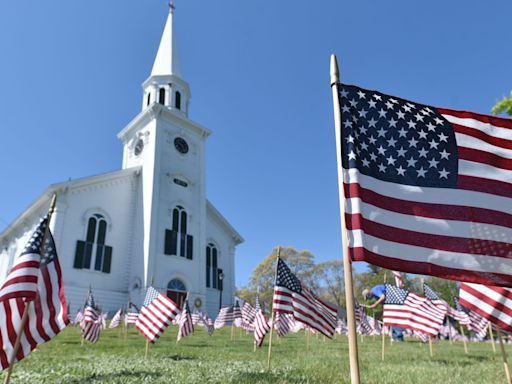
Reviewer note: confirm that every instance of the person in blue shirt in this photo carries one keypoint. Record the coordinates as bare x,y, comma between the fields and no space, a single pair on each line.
378,292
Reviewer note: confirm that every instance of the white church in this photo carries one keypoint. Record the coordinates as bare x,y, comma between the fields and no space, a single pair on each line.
149,223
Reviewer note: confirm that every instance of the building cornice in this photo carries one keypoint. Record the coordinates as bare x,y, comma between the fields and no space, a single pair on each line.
157,110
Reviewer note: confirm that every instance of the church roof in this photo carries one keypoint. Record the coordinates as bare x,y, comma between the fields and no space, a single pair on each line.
238,239
167,61
41,204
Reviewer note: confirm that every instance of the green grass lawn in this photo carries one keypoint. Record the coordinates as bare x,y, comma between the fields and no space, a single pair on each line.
200,358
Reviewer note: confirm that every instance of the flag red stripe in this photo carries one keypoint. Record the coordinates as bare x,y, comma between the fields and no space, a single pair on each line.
496,121
479,184
26,264
445,243
485,157
430,210
49,299
478,134
426,268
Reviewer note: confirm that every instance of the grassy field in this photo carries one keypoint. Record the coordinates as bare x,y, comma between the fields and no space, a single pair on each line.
216,359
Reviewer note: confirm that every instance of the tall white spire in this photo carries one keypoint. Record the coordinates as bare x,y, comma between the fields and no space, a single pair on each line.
167,60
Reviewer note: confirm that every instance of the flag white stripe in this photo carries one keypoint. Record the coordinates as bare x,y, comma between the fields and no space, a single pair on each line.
428,225
448,196
457,260
471,168
487,128
467,141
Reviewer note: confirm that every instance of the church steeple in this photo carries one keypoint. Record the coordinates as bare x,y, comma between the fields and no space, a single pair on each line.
165,85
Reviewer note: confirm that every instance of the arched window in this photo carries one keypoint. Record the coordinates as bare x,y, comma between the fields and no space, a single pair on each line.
93,253
177,241
177,100
161,96
212,271
177,291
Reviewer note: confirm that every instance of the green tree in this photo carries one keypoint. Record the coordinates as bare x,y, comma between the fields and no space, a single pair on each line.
329,283
503,106
301,263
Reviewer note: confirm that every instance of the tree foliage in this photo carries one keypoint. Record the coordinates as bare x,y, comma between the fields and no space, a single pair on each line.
328,281
503,106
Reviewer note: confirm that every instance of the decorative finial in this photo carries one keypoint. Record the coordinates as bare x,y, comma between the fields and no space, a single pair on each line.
171,6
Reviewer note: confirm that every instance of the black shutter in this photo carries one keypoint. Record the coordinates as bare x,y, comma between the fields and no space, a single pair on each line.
171,242
190,245
79,254
107,261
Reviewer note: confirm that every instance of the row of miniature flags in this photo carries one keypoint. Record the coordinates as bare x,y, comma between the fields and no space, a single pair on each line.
37,270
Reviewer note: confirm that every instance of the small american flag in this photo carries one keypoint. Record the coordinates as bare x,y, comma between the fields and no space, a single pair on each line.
208,324
186,327
47,312
487,303
224,317
261,327
363,326
399,281
237,315
428,190
407,310
91,323
460,314
156,314
78,317
248,314
117,319
284,323
291,297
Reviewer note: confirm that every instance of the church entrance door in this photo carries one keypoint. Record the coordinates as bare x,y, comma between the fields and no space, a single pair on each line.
177,291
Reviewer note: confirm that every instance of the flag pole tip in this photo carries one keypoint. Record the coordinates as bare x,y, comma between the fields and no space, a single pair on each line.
335,73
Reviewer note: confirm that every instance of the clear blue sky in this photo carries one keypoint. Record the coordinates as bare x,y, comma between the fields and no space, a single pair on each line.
71,74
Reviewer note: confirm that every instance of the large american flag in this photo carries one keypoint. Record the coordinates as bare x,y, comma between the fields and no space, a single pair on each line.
91,323
408,310
156,314
428,190
290,296
185,324
47,313
491,303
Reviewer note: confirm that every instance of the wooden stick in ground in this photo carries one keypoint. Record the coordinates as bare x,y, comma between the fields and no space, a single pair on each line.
383,342
449,326
147,348
430,346
269,360
464,339
347,264
504,354
492,338
24,317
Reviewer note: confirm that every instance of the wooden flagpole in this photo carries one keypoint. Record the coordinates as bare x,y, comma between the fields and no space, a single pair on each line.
463,338
24,317
269,360
147,348
347,265
504,354
382,328
492,337
449,330
430,346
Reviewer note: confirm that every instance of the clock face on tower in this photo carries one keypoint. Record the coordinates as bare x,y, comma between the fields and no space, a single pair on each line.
181,145
139,146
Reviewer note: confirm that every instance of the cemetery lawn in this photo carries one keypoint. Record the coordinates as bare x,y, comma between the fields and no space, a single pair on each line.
201,359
